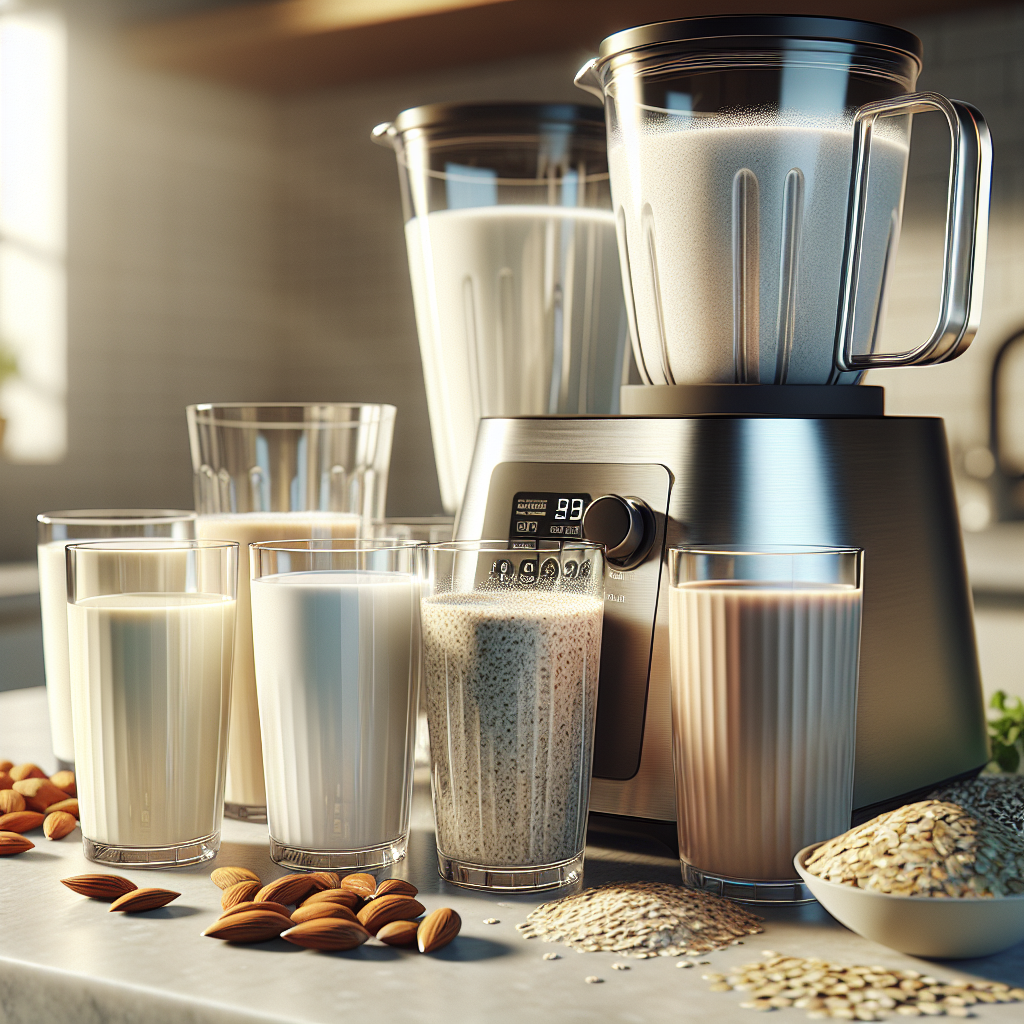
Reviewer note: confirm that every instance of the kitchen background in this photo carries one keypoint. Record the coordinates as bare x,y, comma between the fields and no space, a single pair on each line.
219,243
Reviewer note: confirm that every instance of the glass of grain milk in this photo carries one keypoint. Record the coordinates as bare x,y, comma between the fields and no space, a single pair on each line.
271,472
56,531
764,658
336,625
151,625
511,651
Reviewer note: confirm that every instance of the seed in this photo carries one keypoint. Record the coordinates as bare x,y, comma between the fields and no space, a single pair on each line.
551,956
620,967
491,920
592,979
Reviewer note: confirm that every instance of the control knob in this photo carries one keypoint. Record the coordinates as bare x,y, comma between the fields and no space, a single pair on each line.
624,525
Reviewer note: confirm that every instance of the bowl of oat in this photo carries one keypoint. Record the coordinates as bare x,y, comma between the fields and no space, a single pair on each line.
932,879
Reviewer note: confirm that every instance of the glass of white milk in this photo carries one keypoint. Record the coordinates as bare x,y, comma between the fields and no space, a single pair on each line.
765,647
336,625
274,472
511,652
151,625
56,531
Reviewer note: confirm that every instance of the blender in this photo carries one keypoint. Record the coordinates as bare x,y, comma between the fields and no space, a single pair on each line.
757,173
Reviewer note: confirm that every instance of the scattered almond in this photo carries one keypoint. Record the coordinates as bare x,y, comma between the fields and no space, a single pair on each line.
13,842
240,892
437,929
6,782
59,824
361,883
100,887
388,908
20,821
66,781
11,801
325,880
289,890
139,900
224,878
267,905
249,926
346,897
399,933
70,805
395,887
330,933
39,793
6,766
312,911
26,771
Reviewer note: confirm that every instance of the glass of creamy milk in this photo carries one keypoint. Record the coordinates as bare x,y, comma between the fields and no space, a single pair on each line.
56,531
511,651
271,472
764,649
336,625
151,625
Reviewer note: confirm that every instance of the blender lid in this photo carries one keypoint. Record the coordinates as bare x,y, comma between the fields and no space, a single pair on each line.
501,116
792,26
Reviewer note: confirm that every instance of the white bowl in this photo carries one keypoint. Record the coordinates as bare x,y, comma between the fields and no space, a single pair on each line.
920,925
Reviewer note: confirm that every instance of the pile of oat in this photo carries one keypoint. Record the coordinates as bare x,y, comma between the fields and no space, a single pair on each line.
930,848
999,798
641,919
825,990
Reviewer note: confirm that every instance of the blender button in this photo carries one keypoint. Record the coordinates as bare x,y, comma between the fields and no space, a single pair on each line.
549,570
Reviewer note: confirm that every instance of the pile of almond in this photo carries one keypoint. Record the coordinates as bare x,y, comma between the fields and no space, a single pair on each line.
28,800
331,912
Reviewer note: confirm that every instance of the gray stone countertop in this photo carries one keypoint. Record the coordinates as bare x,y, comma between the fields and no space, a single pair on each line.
66,958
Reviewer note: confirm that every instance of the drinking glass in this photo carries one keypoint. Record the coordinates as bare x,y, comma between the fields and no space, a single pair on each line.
270,472
511,649
56,530
151,626
425,529
337,633
764,658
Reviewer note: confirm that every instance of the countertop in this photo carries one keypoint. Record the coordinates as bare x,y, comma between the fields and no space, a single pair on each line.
63,957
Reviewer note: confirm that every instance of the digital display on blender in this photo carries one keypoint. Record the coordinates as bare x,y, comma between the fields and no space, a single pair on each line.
546,516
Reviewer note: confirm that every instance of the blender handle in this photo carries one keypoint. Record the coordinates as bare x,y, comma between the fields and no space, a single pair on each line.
384,134
963,274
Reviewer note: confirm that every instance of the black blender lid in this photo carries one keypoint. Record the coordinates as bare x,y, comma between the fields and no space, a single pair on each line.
503,116
793,26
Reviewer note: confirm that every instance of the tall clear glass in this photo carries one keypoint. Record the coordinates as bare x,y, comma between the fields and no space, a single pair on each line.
512,255
56,530
511,651
337,634
271,472
151,626
764,646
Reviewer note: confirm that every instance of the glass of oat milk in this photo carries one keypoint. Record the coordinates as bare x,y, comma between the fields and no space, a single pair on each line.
56,531
151,626
336,625
765,650
511,650
271,472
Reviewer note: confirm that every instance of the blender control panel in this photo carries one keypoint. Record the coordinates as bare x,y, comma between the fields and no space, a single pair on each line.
531,502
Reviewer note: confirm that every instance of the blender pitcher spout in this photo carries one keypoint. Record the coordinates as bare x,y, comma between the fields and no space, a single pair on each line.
385,134
587,79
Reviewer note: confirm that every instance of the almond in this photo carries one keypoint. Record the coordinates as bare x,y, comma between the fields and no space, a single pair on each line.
312,911
388,908
249,926
26,771
138,900
100,887
267,905
224,878
13,842
240,892
325,880
346,897
20,821
59,824
395,887
39,793
288,890
6,766
6,782
329,933
361,883
11,801
70,805
437,929
399,933
65,781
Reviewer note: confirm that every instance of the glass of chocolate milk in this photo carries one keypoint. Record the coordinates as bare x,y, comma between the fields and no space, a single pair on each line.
764,659
511,650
